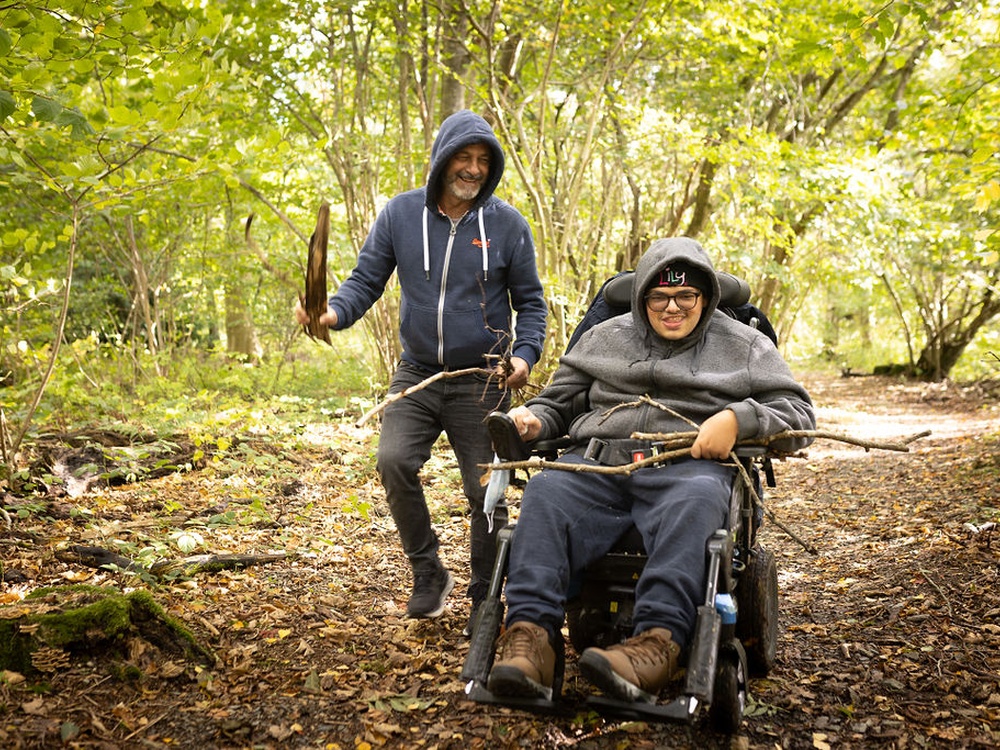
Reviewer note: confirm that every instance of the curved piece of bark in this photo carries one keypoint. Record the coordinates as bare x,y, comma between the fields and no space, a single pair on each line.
315,299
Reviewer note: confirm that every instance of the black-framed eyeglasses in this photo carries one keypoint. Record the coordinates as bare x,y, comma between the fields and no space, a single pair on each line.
658,302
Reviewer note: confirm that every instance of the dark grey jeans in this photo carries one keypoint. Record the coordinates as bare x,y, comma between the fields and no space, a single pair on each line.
569,520
410,427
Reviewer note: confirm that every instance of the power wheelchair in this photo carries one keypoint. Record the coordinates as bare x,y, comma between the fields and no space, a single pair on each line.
736,629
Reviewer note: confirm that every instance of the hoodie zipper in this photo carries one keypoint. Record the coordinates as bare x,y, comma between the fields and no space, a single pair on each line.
444,283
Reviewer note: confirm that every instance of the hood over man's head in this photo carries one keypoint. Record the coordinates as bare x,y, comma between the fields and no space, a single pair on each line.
459,130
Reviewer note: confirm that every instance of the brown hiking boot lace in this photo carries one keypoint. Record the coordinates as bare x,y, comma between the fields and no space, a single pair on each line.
521,642
647,648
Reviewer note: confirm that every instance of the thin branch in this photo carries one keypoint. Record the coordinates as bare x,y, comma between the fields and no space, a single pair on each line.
4,441
944,596
56,340
146,726
663,407
902,445
277,212
687,438
393,397
759,503
268,265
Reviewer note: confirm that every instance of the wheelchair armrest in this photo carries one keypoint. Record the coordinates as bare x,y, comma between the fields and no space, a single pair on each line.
507,443
550,448
509,446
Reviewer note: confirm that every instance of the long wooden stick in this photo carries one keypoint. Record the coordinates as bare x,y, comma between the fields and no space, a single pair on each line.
682,438
392,397
902,445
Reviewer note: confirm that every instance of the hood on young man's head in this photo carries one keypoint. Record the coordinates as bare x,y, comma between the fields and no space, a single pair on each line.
459,130
675,261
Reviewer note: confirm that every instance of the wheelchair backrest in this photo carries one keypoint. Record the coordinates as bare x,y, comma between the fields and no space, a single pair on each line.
615,298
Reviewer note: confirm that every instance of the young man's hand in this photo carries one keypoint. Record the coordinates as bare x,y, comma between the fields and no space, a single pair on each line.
716,436
528,425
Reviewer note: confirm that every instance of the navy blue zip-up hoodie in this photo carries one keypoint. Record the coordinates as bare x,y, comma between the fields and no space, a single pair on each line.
457,287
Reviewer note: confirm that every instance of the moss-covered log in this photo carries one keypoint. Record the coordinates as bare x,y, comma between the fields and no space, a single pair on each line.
98,557
52,625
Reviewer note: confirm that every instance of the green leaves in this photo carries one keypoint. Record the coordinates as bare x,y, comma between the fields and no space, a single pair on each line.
47,110
772,131
134,20
7,105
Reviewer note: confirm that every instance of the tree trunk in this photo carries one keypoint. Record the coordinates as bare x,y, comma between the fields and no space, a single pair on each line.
142,293
456,58
241,335
944,348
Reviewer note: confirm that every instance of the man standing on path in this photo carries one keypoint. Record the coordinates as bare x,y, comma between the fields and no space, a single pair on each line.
465,261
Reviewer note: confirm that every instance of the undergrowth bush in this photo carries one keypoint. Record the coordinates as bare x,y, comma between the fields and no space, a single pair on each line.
192,391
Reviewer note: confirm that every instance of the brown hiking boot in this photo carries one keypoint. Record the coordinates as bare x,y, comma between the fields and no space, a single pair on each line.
525,663
635,670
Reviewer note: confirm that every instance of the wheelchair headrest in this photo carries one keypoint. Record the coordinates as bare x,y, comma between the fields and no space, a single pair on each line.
735,291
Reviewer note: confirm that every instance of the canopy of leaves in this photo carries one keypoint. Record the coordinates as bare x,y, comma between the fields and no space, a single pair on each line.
844,161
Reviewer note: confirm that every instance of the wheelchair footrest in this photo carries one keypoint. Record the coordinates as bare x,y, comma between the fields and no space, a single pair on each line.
682,708
476,691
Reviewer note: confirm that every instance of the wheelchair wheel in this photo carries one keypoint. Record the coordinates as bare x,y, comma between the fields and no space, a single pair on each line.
729,694
757,600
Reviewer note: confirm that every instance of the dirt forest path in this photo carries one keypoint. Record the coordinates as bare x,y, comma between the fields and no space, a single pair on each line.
889,636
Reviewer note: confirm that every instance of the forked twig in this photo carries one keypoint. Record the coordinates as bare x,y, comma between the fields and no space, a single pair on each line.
688,438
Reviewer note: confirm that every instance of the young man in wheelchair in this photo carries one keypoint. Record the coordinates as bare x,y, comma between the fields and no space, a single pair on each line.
673,364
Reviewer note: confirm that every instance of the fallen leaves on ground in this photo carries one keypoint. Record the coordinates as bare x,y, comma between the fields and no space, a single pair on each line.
890,636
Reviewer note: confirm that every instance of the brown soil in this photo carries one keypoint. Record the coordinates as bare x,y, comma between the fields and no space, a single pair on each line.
890,635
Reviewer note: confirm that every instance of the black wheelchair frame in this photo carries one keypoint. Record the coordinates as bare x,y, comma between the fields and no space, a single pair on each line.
735,635
736,629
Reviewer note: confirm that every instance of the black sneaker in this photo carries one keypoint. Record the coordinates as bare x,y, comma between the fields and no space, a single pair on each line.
429,592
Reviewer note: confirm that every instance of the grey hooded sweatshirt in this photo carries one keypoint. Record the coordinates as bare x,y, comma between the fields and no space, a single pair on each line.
721,364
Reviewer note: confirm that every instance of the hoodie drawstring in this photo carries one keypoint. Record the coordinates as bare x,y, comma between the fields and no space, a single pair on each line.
427,255
482,240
